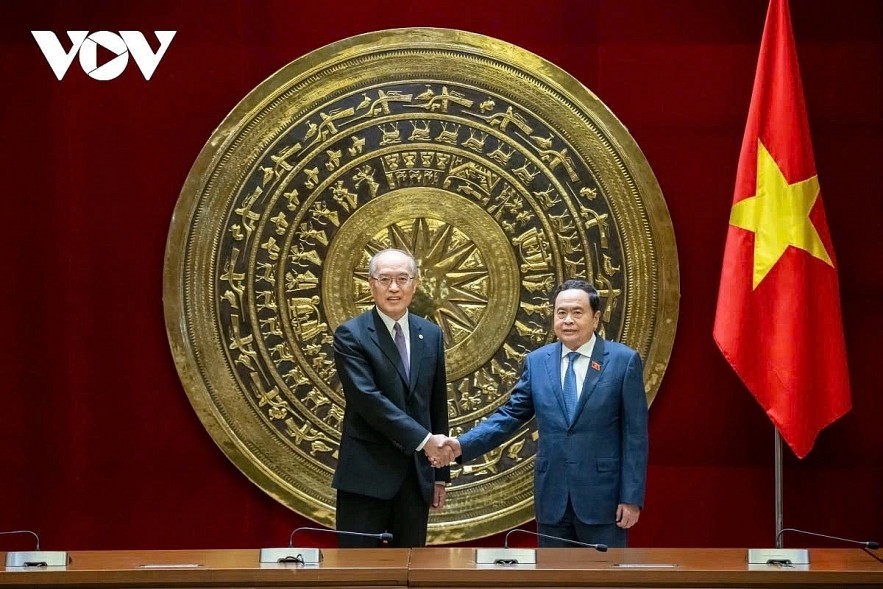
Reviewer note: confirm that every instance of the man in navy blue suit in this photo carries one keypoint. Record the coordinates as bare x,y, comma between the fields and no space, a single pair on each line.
391,364
587,395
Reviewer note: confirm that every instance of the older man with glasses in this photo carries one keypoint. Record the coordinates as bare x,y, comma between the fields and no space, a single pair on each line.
391,364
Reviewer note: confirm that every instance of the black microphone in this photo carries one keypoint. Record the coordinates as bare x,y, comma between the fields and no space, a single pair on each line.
34,534
868,544
382,536
598,547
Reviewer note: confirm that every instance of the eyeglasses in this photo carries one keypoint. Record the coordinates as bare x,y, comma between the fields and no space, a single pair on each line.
385,281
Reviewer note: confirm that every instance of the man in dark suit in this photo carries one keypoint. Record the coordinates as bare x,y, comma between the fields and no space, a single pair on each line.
588,398
391,364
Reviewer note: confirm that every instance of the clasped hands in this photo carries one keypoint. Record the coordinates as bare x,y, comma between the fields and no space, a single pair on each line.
441,450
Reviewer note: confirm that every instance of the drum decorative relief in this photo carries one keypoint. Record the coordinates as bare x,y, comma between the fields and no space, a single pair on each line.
498,171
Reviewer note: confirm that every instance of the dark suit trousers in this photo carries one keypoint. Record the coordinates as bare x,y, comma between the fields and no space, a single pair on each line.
405,516
571,528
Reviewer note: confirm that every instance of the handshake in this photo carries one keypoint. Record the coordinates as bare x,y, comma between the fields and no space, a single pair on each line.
441,450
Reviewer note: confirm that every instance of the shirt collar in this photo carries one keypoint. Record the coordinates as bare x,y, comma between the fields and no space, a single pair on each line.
584,350
390,322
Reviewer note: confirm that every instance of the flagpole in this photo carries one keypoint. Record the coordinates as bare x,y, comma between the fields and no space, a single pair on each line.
778,467
778,555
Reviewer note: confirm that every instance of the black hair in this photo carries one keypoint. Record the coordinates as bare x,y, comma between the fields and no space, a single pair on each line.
573,283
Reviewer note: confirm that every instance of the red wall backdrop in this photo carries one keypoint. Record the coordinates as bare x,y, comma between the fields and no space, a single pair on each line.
99,447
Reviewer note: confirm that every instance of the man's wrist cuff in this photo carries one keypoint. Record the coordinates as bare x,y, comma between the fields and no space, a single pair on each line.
423,443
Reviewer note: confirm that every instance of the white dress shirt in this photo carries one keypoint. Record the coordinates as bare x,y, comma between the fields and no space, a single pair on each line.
390,327
580,365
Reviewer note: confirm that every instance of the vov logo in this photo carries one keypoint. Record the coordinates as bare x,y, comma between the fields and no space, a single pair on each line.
121,45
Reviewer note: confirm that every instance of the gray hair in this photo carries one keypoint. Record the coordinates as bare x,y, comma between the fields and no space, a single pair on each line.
372,263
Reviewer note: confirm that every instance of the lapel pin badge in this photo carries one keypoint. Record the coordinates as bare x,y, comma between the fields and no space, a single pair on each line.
595,365
420,336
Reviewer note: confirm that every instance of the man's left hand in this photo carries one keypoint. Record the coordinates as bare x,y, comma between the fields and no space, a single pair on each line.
627,515
438,497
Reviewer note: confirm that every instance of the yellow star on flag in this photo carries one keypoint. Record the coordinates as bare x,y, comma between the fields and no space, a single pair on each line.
779,216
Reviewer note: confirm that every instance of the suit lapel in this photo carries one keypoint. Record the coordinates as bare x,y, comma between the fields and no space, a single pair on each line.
596,368
417,344
384,341
553,367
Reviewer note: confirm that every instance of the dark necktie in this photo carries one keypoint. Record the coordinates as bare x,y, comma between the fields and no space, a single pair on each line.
570,385
403,349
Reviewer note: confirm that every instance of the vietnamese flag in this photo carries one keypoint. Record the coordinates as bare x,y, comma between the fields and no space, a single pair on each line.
778,319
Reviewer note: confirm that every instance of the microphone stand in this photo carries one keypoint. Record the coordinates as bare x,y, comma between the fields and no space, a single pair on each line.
291,554
36,557
311,556
513,556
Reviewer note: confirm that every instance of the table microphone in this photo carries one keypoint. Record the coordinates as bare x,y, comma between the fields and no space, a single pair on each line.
382,536
37,557
309,556
868,544
598,547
